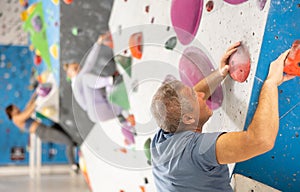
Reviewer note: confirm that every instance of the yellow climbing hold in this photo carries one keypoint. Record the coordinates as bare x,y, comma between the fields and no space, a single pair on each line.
48,111
56,2
31,9
37,52
54,50
24,16
31,47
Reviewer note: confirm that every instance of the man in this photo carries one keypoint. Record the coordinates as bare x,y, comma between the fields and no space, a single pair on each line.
54,133
184,158
90,89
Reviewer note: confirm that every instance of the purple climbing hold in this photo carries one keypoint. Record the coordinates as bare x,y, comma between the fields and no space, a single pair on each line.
128,134
194,66
186,17
37,23
261,4
44,89
235,2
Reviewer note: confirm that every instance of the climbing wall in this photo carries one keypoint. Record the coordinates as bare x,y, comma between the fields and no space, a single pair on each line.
15,82
23,66
11,24
151,23
78,32
278,168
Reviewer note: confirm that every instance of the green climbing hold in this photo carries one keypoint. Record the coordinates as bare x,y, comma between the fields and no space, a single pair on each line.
171,43
119,96
76,31
147,149
125,63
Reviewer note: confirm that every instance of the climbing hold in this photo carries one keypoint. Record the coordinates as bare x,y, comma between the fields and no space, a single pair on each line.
76,31
37,52
125,62
261,4
292,62
240,64
54,51
44,89
24,15
37,60
119,96
186,17
147,9
235,2
48,111
171,43
128,134
37,23
123,150
31,8
68,2
142,189
130,119
209,6
55,2
147,149
31,47
194,65
136,45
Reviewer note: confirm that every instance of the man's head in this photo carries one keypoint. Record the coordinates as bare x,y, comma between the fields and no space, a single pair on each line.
71,69
11,110
177,107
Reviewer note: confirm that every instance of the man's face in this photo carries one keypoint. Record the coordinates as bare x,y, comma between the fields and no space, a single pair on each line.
72,70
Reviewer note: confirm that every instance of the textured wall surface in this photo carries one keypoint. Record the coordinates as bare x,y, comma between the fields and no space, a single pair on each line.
278,168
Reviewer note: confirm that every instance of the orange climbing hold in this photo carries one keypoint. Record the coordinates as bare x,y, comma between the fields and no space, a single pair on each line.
142,189
131,119
136,45
292,62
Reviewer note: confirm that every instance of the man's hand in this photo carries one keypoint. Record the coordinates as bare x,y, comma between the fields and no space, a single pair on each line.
224,67
276,70
104,38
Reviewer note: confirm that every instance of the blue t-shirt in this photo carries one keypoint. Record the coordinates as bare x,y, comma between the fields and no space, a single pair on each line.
186,162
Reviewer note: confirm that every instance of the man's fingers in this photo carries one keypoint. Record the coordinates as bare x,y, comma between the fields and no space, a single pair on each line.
235,45
284,55
228,54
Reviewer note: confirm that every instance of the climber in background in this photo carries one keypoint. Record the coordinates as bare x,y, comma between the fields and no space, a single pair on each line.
90,89
54,133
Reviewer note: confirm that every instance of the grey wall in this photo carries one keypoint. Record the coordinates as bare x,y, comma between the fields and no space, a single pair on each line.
91,18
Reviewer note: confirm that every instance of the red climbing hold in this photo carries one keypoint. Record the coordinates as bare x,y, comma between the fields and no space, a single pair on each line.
292,62
240,64
37,60
68,1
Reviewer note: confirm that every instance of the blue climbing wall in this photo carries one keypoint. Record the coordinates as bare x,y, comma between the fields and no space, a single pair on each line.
279,168
16,64
15,71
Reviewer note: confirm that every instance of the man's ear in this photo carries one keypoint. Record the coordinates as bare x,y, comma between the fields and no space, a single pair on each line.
188,118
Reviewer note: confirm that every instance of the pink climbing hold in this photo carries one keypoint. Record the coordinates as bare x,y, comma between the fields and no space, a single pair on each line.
235,2
194,65
127,133
186,17
240,64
